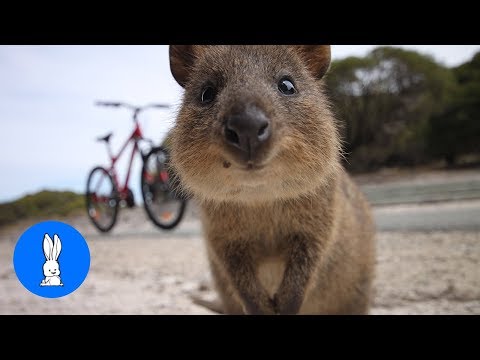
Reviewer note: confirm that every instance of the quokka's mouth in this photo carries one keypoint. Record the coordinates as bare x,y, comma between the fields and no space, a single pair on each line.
250,166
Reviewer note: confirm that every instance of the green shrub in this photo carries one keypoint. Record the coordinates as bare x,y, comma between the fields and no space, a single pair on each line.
42,204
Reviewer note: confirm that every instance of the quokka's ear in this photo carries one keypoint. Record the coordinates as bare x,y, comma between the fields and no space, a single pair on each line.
316,57
182,58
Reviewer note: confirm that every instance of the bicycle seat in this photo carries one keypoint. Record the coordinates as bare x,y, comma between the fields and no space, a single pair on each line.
105,138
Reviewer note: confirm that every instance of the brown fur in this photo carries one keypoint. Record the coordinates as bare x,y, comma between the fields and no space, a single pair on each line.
294,235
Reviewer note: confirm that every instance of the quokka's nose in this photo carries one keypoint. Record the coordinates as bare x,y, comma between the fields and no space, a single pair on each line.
247,130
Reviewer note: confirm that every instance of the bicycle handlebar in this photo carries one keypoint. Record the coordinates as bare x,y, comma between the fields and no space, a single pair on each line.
136,109
158,106
106,103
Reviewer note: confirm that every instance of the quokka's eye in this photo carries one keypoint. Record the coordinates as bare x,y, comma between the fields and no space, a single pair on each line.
208,94
286,86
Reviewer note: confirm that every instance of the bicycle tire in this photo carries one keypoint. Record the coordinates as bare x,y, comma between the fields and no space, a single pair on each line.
166,190
113,201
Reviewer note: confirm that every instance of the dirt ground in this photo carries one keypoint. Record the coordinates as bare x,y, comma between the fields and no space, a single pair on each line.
138,269
417,273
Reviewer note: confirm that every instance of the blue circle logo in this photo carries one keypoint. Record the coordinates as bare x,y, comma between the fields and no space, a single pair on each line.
51,259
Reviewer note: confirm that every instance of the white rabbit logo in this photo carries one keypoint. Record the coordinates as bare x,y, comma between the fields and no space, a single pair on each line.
51,268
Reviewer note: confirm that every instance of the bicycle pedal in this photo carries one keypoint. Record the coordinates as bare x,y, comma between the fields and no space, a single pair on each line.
130,200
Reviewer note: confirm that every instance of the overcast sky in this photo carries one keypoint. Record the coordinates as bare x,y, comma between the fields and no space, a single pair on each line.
49,122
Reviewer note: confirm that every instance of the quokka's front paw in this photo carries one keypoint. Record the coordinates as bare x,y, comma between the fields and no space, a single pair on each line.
287,304
264,307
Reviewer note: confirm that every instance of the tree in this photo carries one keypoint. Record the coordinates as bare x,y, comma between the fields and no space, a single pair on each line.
386,100
456,131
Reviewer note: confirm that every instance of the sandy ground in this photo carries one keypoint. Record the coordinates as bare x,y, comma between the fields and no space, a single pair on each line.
138,269
417,273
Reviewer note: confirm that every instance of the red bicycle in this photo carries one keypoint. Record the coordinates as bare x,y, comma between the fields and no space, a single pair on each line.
164,206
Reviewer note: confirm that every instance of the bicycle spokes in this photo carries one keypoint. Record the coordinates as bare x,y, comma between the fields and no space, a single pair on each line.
162,206
102,199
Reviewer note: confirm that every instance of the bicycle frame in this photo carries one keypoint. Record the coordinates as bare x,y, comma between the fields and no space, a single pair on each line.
155,184
135,136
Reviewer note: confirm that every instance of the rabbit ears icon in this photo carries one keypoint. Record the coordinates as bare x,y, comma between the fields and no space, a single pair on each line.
51,268
51,259
52,249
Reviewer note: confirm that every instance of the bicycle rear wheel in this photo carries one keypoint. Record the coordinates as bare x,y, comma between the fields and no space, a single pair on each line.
163,205
101,199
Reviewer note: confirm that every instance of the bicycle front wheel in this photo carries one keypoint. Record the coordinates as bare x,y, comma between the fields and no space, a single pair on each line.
163,205
102,199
